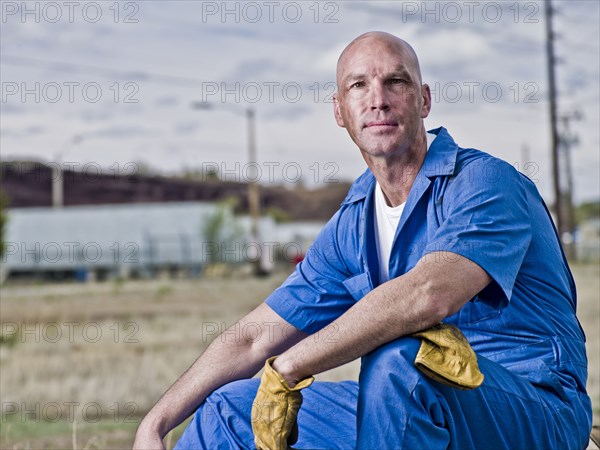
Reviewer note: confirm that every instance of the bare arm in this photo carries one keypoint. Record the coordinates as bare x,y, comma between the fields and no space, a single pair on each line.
435,288
231,356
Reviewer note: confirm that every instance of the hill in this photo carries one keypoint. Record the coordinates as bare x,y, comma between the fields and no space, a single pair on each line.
29,184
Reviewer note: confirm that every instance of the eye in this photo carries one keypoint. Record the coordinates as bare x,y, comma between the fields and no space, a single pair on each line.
398,81
357,84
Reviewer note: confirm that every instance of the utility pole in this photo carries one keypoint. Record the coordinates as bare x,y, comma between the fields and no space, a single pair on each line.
254,197
568,140
551,63
58,175
253,188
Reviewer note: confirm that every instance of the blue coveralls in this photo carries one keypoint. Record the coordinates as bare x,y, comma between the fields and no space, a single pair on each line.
523,327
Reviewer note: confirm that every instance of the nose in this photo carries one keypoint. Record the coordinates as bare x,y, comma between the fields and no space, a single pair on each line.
378,96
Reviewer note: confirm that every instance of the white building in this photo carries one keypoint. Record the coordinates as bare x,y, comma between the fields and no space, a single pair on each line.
140,239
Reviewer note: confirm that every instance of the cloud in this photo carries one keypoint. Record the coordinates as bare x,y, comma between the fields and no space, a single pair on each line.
254,69
287,113
170,52
186,127
12,108
121,131
166,101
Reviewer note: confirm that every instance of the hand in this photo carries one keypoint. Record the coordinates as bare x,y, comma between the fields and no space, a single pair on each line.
275,409
446,356
282,366
148,440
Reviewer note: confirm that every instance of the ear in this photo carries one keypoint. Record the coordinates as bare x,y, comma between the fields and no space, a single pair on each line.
336,111
426,94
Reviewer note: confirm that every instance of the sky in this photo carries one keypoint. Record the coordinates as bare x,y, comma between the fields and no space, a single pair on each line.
109,87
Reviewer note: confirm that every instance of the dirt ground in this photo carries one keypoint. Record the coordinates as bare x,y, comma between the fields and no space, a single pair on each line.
81,364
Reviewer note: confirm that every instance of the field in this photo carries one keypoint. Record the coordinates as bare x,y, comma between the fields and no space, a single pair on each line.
81,364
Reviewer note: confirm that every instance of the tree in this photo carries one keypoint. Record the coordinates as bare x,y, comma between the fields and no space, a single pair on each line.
221,231
587,210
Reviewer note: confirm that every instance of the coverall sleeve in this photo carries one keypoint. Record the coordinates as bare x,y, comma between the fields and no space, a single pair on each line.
314,294
487,221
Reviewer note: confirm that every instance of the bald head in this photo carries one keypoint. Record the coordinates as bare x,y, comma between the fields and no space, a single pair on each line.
374,41
381,99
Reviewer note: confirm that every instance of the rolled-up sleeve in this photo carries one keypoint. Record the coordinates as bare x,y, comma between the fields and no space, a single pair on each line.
487,221
314,294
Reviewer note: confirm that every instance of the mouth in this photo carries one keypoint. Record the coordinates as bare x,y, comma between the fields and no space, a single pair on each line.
381,124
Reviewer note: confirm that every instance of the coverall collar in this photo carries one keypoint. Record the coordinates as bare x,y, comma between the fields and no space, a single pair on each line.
439,161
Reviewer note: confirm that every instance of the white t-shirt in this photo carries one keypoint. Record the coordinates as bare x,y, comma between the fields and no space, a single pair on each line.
386,222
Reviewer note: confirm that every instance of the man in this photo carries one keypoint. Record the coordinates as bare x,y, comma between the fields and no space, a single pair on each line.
430,232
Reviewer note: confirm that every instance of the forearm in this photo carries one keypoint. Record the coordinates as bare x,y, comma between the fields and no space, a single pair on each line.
229,357
413,302
222,362
383,315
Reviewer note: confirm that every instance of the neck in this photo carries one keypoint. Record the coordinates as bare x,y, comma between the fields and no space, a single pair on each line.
396,173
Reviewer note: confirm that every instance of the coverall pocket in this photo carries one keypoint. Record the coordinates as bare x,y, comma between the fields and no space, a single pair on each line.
359,285
539,374
473,312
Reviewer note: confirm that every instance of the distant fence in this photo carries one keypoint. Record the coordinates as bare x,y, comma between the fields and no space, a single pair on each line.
140,240
588,252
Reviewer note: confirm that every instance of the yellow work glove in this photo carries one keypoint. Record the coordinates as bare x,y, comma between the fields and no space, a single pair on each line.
446,356
275,409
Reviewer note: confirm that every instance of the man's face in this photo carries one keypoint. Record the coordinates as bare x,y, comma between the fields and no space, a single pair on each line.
380,99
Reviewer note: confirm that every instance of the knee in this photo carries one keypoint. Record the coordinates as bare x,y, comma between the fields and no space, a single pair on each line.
392,356
388,379
235,389
223,419
393,362
231,401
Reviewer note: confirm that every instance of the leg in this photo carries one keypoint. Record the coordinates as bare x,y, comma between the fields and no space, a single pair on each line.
400,408
327,419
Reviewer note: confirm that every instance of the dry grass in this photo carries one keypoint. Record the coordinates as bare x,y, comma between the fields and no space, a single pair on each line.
162,326
587,280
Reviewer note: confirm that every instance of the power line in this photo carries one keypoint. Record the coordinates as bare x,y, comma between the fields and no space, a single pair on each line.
59,66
